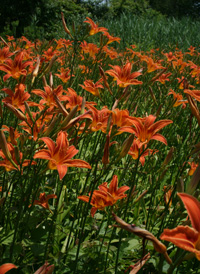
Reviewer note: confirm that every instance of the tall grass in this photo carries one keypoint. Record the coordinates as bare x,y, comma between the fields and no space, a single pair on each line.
156,31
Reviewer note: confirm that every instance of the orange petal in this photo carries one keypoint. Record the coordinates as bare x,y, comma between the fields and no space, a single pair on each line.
6,267
184,237
77,163
50,144
193,208
84,198
113,185
62,170
43,154
93,211
160,138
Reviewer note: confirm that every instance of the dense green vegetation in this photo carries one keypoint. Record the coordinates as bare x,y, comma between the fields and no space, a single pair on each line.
146,21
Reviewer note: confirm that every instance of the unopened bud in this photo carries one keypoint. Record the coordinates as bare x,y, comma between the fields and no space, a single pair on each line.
194,181
1,112
60,105
158,75
180,186
105,159
17,112
169,156
17,154
126,146
69,117
104,79
194,108
53,59
51,126
65,26
35,72
29,111
4,145
83,105
5,43
44,81
158,111
152,95
51,80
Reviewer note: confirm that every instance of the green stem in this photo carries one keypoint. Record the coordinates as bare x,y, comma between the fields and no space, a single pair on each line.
177,261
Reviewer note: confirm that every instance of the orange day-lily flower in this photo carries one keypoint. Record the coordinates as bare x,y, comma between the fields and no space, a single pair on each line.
44,200
15,68
13,134
145,129
92,87
73,99
99,119
16,98
48,54
167,195
111,52
169,56
59,155
5,54
185,237
164,77
179,99
8,165
48,95
64,75
135,151
105,196
36,126
193,167
151,65
89,48
120,117
111,38
179,64
94,27
123,75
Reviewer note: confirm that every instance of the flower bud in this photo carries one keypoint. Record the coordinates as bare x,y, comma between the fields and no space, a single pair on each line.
65,26
126,146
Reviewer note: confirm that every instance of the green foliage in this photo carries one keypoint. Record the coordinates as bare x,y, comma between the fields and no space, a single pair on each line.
177,8
154,31
137,7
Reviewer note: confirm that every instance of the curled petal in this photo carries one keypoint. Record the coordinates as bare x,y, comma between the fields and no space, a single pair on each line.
77,163
4,268
193,208
160,138
84,198
184,237
43,154
49,143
